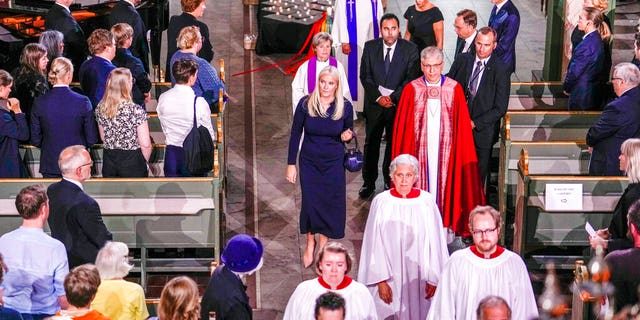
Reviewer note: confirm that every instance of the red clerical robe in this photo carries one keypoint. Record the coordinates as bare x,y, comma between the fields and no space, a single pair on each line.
459,183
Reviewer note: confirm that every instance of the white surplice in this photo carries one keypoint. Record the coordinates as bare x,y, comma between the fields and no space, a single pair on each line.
404,244
340,35
434,113
358,301
467,279
299,86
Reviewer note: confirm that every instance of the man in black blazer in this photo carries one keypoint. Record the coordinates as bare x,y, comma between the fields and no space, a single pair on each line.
486,81
465,27
125,12
620,120
75,43
75,217
388,64
192,10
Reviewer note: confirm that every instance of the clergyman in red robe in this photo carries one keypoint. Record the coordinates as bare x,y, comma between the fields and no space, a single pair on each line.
432,123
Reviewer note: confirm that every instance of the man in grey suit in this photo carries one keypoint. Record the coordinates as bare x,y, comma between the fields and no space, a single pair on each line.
388,64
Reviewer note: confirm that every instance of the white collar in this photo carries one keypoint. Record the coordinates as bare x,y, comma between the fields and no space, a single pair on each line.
484,61
77,183
131,3
500,5
65,7
471,37
393,46
590,32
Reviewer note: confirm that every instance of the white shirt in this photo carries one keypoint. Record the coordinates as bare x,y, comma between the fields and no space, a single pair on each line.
175,112
500,5
65,7
475,65
77,183
468,42
393,49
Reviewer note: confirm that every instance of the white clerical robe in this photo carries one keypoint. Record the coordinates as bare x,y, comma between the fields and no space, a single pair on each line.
340,35
468,278
404,244
433,137
358,301
299,87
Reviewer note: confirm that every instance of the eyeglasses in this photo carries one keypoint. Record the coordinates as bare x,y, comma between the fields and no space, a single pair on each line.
86,164
484,232
431,66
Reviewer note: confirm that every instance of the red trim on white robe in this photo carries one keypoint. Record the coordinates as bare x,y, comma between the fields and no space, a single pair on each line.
345,283
495,254
414,193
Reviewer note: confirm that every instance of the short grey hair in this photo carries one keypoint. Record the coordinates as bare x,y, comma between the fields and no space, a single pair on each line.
71,158
431,52
628,72
112,260
321,37
492,302
405,160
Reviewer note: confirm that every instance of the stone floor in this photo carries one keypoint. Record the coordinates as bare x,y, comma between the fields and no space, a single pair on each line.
259,199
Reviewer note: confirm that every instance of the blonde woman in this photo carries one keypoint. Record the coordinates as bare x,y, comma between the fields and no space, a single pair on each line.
615,236
49,131
179,300
117,298
207,83
123,128
327,120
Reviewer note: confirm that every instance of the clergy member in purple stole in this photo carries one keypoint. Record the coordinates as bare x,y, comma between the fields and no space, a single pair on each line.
355,22
308,72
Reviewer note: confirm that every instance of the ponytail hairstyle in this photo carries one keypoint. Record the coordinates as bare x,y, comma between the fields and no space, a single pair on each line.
594,15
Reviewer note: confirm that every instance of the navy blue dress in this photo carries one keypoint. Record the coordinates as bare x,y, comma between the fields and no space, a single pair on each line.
13,127
322,175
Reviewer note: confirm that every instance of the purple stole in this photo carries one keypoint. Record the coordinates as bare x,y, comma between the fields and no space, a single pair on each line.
311,71
352,27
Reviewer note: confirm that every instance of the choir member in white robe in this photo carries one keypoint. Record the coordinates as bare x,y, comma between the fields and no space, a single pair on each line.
354,23
404,248
481,270
334,262
321,44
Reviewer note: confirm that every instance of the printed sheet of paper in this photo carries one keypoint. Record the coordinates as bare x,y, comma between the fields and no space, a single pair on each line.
563,197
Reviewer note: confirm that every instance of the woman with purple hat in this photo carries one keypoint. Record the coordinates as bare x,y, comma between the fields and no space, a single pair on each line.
226,293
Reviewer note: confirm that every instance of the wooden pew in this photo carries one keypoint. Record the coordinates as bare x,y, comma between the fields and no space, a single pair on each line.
541,235
519,127
537,96
567,157
147,213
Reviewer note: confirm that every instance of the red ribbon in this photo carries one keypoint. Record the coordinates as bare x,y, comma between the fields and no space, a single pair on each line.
294,62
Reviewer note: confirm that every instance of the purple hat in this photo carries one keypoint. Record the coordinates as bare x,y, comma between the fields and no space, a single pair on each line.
242,253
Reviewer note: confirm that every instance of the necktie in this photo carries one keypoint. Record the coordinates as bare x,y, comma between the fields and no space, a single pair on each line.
493,15
387,61
475,78
459,45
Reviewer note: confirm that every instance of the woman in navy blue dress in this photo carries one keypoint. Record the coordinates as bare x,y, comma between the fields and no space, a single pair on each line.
327,119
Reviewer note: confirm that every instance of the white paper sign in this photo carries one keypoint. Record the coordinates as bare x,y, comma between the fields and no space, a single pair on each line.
563,197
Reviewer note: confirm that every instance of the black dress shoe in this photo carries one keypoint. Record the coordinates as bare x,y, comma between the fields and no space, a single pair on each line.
387,185
366,191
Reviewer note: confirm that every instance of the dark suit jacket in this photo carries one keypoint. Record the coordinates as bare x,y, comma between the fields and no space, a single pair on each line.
490,103
583,81
620,120
55,125
403,69
175,25
75,220
93,78
75,43
124,12
507,23
460,45
227,296
142,84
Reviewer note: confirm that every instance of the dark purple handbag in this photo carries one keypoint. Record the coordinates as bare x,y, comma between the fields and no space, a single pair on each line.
353,159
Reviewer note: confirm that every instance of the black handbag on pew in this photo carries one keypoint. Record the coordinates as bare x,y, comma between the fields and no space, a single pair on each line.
353,158
198,148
